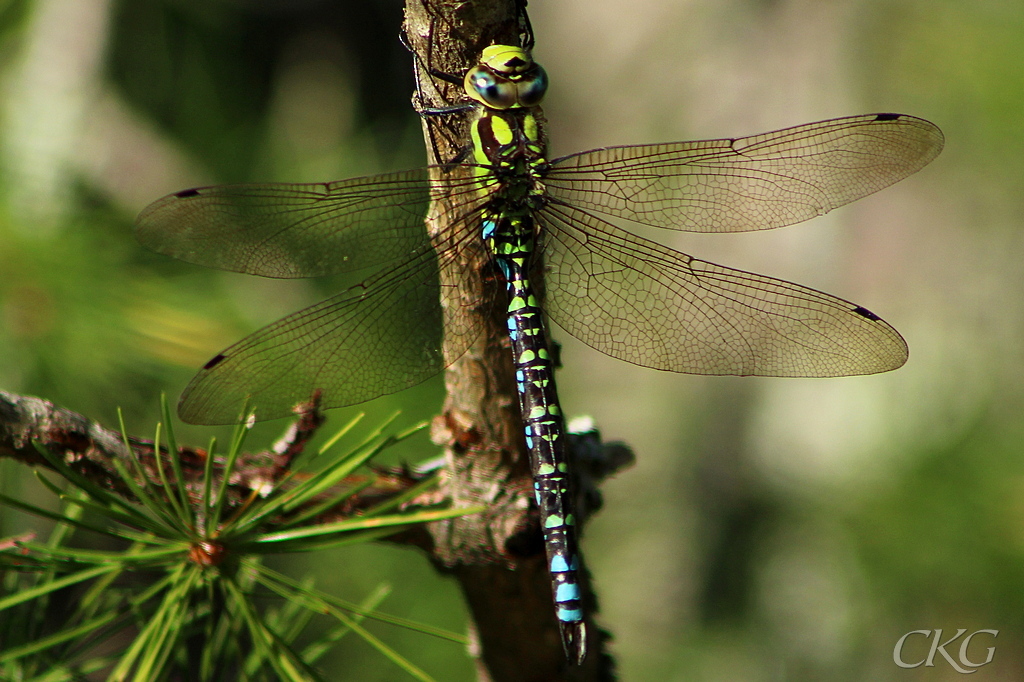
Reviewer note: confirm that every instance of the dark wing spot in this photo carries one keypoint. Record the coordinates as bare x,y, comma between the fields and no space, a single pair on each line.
864,312
219,358
186,193
888,117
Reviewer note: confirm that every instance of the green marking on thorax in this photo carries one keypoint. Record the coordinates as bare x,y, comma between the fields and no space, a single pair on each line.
501,130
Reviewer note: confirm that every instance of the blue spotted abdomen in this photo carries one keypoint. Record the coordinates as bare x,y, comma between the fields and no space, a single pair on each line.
511,239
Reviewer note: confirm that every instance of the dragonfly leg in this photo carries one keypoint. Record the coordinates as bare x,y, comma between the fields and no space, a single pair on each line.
444,111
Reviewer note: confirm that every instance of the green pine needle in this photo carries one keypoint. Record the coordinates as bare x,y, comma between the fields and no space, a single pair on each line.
191,566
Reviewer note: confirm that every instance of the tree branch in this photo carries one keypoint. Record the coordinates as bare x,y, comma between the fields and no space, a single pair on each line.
498,557
91,450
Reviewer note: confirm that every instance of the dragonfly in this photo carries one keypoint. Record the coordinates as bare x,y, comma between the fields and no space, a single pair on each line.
624,295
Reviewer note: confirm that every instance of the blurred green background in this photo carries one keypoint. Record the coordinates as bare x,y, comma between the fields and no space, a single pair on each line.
771,529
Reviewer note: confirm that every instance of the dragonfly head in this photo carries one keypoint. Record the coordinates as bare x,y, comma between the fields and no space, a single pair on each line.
506,77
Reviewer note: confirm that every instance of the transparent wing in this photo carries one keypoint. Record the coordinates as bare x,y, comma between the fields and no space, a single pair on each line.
748,183
296,230
378,337
646,304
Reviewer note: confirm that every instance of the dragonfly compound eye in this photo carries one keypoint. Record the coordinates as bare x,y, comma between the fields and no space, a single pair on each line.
532,88
490,89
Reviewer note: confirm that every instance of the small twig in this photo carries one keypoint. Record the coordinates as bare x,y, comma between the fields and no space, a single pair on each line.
86,446
295,440
91,449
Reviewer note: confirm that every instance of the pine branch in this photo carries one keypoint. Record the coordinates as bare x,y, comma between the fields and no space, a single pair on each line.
94,452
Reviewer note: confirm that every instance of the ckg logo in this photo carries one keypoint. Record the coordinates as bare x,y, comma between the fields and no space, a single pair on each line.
962,664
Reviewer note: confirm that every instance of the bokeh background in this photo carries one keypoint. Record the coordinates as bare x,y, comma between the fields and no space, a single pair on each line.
771,529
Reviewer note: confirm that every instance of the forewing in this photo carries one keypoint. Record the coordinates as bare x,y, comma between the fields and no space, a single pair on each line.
748,183
649,305
295,230
378,337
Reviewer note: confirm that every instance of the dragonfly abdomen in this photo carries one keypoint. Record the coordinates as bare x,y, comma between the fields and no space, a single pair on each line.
510,237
